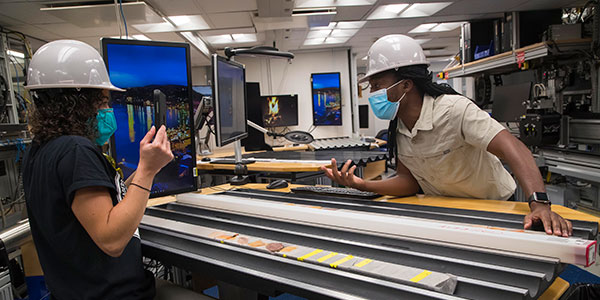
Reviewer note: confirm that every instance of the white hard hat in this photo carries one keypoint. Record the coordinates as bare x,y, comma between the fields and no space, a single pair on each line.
68,64
391,52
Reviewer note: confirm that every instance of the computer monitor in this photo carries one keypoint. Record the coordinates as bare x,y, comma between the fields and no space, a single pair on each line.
279,110
363,116
157,79
229,86
326,99
508,101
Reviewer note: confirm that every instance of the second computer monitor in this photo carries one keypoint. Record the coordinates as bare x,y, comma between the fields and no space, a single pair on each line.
229,93
279,110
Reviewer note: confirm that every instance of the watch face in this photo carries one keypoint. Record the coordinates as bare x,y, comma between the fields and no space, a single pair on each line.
542,196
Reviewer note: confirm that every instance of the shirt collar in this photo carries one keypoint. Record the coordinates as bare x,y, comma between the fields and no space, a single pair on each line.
425,120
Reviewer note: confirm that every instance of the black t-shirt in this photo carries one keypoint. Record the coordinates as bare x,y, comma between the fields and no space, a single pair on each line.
73,265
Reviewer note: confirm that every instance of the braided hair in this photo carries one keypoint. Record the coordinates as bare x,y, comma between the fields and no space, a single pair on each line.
421,77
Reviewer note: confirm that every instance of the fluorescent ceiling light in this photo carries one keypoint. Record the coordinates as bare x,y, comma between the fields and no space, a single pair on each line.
180,20
436,27
365,58
327,40
343,32
316,41
15,53
318,33
197,42
141,37
183,23
403,10
422,41
395,8
343,25
232,38
423,9
327,3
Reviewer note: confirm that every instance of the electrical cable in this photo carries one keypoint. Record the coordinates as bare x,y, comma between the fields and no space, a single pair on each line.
123,19
118,18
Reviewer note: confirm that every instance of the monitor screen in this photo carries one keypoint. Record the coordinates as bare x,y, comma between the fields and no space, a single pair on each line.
151,71
279,110
508,101
229,85
363,116
326,99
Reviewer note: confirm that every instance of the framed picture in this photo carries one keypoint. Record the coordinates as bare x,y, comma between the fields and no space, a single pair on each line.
326,99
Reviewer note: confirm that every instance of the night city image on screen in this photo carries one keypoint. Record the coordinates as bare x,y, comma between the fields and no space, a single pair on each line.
142,69
327,99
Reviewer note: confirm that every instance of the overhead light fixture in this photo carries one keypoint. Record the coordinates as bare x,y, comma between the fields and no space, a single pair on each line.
232,38
343,25
343,32
174,24
196,41
15,53
405,10
365,58
395,8
179,20
326,40
314,11
141,37
436,27
323,33
315,41
326,3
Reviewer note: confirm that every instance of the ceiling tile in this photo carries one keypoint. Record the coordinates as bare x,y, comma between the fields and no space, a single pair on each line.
177,8
219,6
72,31
351,13
38,32
479,7
164,36
228,20
28,13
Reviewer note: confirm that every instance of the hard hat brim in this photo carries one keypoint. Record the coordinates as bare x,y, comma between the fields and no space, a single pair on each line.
366,77
73,86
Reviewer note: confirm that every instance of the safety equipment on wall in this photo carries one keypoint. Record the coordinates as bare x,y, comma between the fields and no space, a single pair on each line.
107,125
391,52
381,106
68,64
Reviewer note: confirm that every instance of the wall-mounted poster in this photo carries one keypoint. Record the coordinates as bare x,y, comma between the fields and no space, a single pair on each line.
326,99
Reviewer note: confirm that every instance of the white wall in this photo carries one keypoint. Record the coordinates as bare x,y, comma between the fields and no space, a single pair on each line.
277,76
200,75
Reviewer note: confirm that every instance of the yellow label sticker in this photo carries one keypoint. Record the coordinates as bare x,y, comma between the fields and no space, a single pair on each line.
301,258
341,261
421,276
363,263
326,257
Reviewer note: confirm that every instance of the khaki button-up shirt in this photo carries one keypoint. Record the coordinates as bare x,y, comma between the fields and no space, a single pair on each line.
446,151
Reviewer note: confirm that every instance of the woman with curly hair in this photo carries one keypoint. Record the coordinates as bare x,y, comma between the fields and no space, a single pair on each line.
83,217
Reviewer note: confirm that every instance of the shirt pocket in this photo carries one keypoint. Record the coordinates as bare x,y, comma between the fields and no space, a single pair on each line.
448,165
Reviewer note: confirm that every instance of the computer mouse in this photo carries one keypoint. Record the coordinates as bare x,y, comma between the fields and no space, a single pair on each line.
205,159
277,184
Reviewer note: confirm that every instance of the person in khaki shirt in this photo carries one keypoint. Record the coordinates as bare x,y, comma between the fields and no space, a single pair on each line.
444,144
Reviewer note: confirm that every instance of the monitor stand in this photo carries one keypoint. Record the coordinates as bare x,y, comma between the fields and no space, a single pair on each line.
240,171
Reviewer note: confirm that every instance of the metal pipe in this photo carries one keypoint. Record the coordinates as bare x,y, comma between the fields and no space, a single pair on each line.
16,235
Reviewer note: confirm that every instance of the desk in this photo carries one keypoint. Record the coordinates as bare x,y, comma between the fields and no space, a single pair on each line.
481,275
288,164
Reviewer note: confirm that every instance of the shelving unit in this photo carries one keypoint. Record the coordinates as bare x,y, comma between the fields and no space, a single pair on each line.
507,61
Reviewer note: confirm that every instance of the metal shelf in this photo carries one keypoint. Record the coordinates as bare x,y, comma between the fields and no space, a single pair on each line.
507,61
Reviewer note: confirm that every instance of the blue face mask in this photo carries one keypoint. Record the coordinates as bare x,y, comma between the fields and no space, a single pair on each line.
107,125
381,106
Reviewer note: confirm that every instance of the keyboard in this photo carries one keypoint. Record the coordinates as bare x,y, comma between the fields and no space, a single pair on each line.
335,191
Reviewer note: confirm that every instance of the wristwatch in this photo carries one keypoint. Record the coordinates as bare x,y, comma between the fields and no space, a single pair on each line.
541,198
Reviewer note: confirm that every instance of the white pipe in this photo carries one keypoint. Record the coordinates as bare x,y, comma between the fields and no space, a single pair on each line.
568,250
